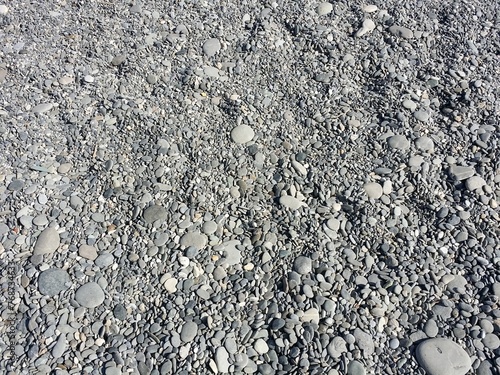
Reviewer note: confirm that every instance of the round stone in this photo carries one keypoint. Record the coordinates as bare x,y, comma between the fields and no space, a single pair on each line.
474,183
491,341
373,190
120,312
324,9
355,368
154,213
425,144
261,346
47,242
53,281
87,252
189,331
194,239
422,115
15,185
89,295
242,134
337,347
211,47
302,265
209,227
399,142
119,59
3,9
291,202
442,356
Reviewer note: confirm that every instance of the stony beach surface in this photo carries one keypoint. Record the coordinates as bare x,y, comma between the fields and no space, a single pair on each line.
249,187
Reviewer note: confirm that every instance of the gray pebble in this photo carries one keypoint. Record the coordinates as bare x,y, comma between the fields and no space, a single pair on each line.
373,190
302,265
461,173
154,213
42,108
222,360
15,185
60,346
189,331
47,242
89,295
364,341
194,239
355,368
211,47
87,252
242,134
422,115
399,142
209,227
337,347
425,144
442,356
119,59
401,31
491,341
474,183
104,260
120,312
431,329
291,202
324,8
53,281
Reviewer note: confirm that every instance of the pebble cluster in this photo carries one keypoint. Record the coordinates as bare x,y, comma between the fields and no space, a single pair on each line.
250,187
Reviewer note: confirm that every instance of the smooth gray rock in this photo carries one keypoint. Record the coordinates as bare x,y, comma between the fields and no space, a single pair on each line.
60,346
104,260
47,242
118,59
324,8
422,115
291,202
194,239
364,341
355,368
15,185
337,347
42,108
87,252
442,356
90,295
302,265
154,213
491,341
242,134
189,331
209,227
211,47
461,173
474,183
398,142
53,281
401,31
222,360
373,190
425,144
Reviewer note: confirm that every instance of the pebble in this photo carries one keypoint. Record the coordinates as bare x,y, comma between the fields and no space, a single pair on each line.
154,213
118,59
491,341
364,341
189,331
431,328
442,356
355,368
302,265
461,173
60,346
242,134
120,312
370,8
209,227
422,115
4,9
311,315
373,190
368,27
90,295
195,239
211,47
401,31
291,202
337,347
474,183
222,360
324,8
87,252
425,143
399,142
53,281
47,242
104,260
261,346
15,185
42,108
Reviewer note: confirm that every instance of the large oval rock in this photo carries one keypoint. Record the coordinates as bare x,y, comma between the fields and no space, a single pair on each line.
47,242
242,134
154,213
443,356
53,281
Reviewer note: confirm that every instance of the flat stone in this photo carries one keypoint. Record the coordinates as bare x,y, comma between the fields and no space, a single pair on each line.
60,346
194,239
242,134
89,295
209,227
367,27
461,173
233,255
47,242
42,108
211,47
120,312
222,360
491,341
324,8
261,346
189,331
442,356
53,281
118,59
409,104
398,142
422,115
364,341
474,183
4,9
87,252
291,202
373,190
425,143
311,315
355,368
104,260
302,265
337,347
154,213
370,8
15,185
431,328
401,31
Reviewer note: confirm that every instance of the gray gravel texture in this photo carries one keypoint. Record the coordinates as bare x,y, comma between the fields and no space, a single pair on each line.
283,187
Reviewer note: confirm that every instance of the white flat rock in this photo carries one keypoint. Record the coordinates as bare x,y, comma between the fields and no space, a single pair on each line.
242,134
